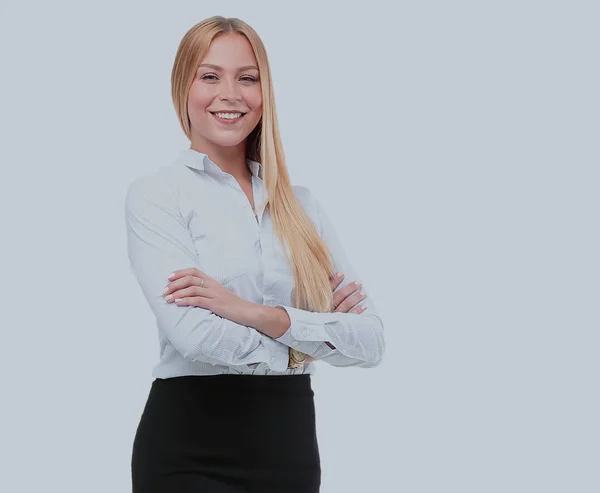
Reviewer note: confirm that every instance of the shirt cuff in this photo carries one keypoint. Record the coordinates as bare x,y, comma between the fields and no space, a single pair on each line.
305,326
279,354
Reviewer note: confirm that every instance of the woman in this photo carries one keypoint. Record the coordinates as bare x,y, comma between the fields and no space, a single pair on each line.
241,319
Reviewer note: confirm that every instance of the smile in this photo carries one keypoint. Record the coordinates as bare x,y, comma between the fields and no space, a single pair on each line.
228,118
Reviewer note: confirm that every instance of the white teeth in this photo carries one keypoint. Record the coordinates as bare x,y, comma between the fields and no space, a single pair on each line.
229,116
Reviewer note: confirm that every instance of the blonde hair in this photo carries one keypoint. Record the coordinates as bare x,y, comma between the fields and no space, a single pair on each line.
308,254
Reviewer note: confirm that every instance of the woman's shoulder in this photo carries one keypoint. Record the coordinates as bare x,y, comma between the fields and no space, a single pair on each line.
304,196
161,184
160,189
302,192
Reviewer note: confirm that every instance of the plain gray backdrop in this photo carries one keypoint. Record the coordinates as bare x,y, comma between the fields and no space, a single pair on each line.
455,145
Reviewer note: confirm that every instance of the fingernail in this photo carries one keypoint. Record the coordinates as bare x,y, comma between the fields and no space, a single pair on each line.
166,289
171,275
339,274
358,283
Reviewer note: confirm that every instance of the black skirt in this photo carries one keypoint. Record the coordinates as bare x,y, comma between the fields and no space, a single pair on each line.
227,434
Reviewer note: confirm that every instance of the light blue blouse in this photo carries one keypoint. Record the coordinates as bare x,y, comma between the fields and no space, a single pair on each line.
192,214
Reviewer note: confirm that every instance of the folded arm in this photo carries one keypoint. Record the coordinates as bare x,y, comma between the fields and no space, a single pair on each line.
358,338
159,243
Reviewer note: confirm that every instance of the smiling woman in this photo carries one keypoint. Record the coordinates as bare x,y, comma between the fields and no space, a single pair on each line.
225,97
237,265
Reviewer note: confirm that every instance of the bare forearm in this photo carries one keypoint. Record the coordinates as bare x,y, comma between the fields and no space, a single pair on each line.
273,322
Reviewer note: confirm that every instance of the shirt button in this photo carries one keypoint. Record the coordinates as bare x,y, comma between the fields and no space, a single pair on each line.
294,343
304,332
273,360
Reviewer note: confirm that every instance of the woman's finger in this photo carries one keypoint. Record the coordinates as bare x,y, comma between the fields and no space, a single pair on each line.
335,280
343,293
188,292
198,301
185,281
350,301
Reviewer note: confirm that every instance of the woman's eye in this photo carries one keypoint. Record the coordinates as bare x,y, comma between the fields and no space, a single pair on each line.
213,77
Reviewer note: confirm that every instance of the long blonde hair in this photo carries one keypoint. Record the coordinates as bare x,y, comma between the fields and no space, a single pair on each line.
308,254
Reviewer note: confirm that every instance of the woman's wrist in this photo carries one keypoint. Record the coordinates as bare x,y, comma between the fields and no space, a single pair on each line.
271,321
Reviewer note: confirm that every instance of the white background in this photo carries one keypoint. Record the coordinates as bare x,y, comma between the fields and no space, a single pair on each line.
455,145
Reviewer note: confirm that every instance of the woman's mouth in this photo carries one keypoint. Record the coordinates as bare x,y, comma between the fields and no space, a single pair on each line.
228,118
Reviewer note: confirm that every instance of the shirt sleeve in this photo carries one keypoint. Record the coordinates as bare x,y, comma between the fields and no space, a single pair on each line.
159,243
357,337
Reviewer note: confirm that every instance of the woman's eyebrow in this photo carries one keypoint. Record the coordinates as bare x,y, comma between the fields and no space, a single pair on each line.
216,67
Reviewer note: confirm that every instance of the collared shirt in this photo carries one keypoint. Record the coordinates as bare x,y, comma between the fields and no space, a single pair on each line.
192,214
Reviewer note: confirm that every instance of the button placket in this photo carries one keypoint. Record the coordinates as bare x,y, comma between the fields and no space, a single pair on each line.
246,203
257,200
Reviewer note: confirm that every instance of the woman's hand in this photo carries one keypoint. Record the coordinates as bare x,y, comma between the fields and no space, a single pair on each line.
347,297
344,300
184,289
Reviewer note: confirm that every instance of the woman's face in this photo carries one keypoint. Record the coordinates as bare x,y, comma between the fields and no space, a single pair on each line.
227,80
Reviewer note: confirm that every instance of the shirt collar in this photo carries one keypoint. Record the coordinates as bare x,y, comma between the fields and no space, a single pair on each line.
200,161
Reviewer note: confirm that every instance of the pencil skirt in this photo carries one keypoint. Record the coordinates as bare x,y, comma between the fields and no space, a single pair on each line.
227,433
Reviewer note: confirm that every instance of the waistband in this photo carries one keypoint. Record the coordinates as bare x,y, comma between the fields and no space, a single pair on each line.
240,383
